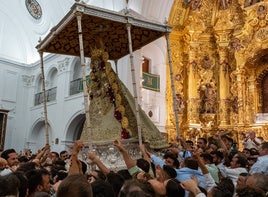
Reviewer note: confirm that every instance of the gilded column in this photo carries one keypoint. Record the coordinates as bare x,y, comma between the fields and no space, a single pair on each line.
240,76
252,99
223,79
240,82
192,77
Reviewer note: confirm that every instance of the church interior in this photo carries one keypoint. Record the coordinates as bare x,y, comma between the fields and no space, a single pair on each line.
207,73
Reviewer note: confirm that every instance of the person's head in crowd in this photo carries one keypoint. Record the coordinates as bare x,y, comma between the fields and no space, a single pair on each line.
9,185
23,158
212,147
101,188
39,181
190,163
251,161
116,181
217,157
241,181
64,155
143,176
239,162
250,192
207,158
189,144
59,165
3,164
263,149
48,166
258,180
201,143
246,152
23,186
254,152
171,160
75,186
58,175
4,168
136,188
54,156
228,141
143,164
25,167
169,171
124,173
96,175
173,188
11,156
225,188
164,173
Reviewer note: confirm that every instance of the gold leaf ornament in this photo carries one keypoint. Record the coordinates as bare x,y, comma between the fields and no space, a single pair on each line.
111,77
118,99
108,67
124,122
115,87
105,56
121,109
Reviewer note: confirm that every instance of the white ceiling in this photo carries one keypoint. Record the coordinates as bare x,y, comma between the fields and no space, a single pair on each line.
20,32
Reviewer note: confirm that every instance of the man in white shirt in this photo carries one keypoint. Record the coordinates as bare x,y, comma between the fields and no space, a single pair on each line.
237,166
251,141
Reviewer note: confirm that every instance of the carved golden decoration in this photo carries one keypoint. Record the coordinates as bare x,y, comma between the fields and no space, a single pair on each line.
221,44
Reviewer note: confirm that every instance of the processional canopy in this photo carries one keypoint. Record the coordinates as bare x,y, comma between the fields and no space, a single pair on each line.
101,24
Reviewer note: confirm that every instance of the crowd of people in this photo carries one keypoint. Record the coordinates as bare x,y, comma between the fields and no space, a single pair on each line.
209,167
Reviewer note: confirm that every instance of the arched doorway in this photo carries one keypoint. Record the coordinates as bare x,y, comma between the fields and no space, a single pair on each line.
75,128
37,138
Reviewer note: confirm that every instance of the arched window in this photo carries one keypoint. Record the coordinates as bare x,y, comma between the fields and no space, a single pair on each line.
51,89
38,97
76,78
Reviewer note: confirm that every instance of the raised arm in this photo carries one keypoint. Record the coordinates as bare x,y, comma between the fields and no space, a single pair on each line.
94,158
76,166
145,153
130,163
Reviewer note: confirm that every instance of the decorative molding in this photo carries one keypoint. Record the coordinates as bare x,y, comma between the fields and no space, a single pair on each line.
28,80
63,64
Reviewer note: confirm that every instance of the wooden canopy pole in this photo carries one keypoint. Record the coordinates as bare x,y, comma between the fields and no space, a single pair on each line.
82,59
134,83
175,107
44,96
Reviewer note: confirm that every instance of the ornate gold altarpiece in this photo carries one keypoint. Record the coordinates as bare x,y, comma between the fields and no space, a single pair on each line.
220,57
85,28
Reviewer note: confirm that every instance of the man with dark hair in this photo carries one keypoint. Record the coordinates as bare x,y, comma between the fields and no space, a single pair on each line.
201,143
38,181
54,156
211,167
261,165
64,155
237,166
9,185
75,185
258,180
11,157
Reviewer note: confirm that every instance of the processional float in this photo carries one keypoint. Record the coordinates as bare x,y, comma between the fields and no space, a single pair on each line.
103,35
